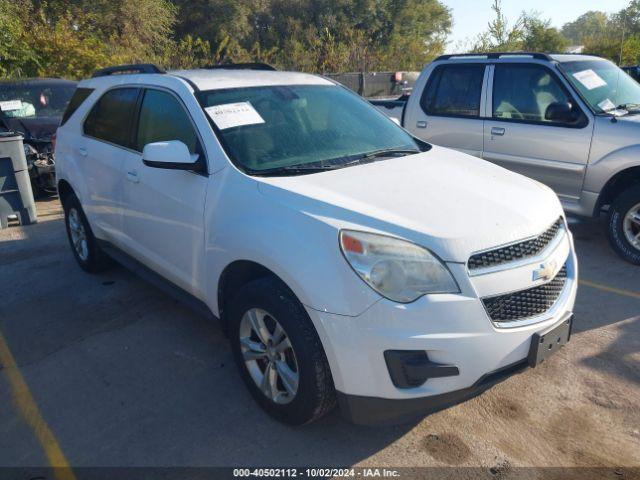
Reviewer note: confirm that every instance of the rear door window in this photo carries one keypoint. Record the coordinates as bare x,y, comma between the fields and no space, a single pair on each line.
111,117
455,91
163,118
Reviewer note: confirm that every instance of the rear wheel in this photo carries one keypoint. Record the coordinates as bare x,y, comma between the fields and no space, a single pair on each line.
279,353
624,225
83,244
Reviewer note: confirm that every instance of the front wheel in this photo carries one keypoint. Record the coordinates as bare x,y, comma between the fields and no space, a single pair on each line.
624,225
279,353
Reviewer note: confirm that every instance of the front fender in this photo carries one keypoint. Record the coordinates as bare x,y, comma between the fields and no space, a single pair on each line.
599,172
303,251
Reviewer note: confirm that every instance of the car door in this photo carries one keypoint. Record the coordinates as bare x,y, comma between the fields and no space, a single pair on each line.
101,151
450,106
163,208
520,134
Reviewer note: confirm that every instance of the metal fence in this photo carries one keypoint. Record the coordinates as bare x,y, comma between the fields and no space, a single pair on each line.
377,84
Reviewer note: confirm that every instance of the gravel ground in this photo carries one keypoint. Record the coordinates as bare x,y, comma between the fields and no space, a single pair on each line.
123,376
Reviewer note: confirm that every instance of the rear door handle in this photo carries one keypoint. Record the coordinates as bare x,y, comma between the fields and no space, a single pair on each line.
82,151
499,131
132,176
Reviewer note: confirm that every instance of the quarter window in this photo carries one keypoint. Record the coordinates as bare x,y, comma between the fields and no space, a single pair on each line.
525,92
454,90
79,96
163,118
110,118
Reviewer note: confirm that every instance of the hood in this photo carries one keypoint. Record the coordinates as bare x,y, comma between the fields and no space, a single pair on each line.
447,201
37,128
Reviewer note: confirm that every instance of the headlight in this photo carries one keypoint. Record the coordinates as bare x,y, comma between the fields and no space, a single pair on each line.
398,270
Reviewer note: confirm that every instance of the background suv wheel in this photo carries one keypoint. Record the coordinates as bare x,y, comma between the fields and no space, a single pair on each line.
279,353
624,225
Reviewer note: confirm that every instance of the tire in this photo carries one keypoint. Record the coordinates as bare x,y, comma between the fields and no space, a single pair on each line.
314,395
624,225
81,239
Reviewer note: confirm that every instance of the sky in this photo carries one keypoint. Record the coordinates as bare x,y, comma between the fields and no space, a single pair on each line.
470,17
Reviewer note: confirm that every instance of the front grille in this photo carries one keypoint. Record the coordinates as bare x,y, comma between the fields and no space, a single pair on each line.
517,251
526,303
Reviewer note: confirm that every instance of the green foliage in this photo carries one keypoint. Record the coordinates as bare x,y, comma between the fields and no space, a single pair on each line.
616,37
72,38
591,25
529,33
63,49
540,36
15,54
321,35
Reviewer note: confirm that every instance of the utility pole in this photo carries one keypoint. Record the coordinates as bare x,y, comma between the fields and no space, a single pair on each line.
621,42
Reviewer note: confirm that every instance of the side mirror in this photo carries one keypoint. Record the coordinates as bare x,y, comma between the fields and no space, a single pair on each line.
172,155
562,112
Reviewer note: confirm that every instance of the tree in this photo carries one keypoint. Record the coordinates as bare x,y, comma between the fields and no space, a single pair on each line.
63,49
539,36
15,54
499,35
73,37
528,33
590,25
322,35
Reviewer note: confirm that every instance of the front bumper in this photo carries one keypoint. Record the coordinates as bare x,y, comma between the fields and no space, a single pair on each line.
452,329
384,411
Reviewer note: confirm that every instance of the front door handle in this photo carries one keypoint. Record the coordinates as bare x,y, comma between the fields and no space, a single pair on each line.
83,151
132,176
499,131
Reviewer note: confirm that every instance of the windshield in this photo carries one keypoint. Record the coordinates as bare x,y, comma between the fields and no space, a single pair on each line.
270,129
603,85
33,101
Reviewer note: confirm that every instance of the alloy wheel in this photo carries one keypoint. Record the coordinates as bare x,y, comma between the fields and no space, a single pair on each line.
631,226
269,356
78,235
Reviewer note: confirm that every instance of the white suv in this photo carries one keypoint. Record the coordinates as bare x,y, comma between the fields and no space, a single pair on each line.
348,261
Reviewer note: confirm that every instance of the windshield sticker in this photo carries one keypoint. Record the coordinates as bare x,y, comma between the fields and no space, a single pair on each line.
589,79
232,115
607,105
10,105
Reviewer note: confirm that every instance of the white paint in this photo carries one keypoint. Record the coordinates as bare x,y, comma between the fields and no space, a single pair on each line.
189,227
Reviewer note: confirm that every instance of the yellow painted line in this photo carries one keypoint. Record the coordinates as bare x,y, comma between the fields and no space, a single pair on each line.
605,288
25,402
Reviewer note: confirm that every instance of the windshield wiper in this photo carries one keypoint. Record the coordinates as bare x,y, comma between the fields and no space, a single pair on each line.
293,170
631,108
388,152
385,152
315,168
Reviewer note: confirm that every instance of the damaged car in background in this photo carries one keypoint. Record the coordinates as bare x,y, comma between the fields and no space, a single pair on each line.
34,108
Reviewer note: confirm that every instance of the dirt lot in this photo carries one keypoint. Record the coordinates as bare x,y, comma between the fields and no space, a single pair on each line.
117,374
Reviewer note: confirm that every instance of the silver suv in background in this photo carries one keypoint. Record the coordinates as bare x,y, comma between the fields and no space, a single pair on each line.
571,122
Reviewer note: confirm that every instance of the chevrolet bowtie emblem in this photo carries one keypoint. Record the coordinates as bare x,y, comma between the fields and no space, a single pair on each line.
546,271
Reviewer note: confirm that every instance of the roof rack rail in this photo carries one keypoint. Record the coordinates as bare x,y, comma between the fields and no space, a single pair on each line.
127,69
496,55
242,66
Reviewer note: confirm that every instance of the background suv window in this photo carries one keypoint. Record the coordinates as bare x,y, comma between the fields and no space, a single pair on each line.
110,118
524,92
163,118
454,91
